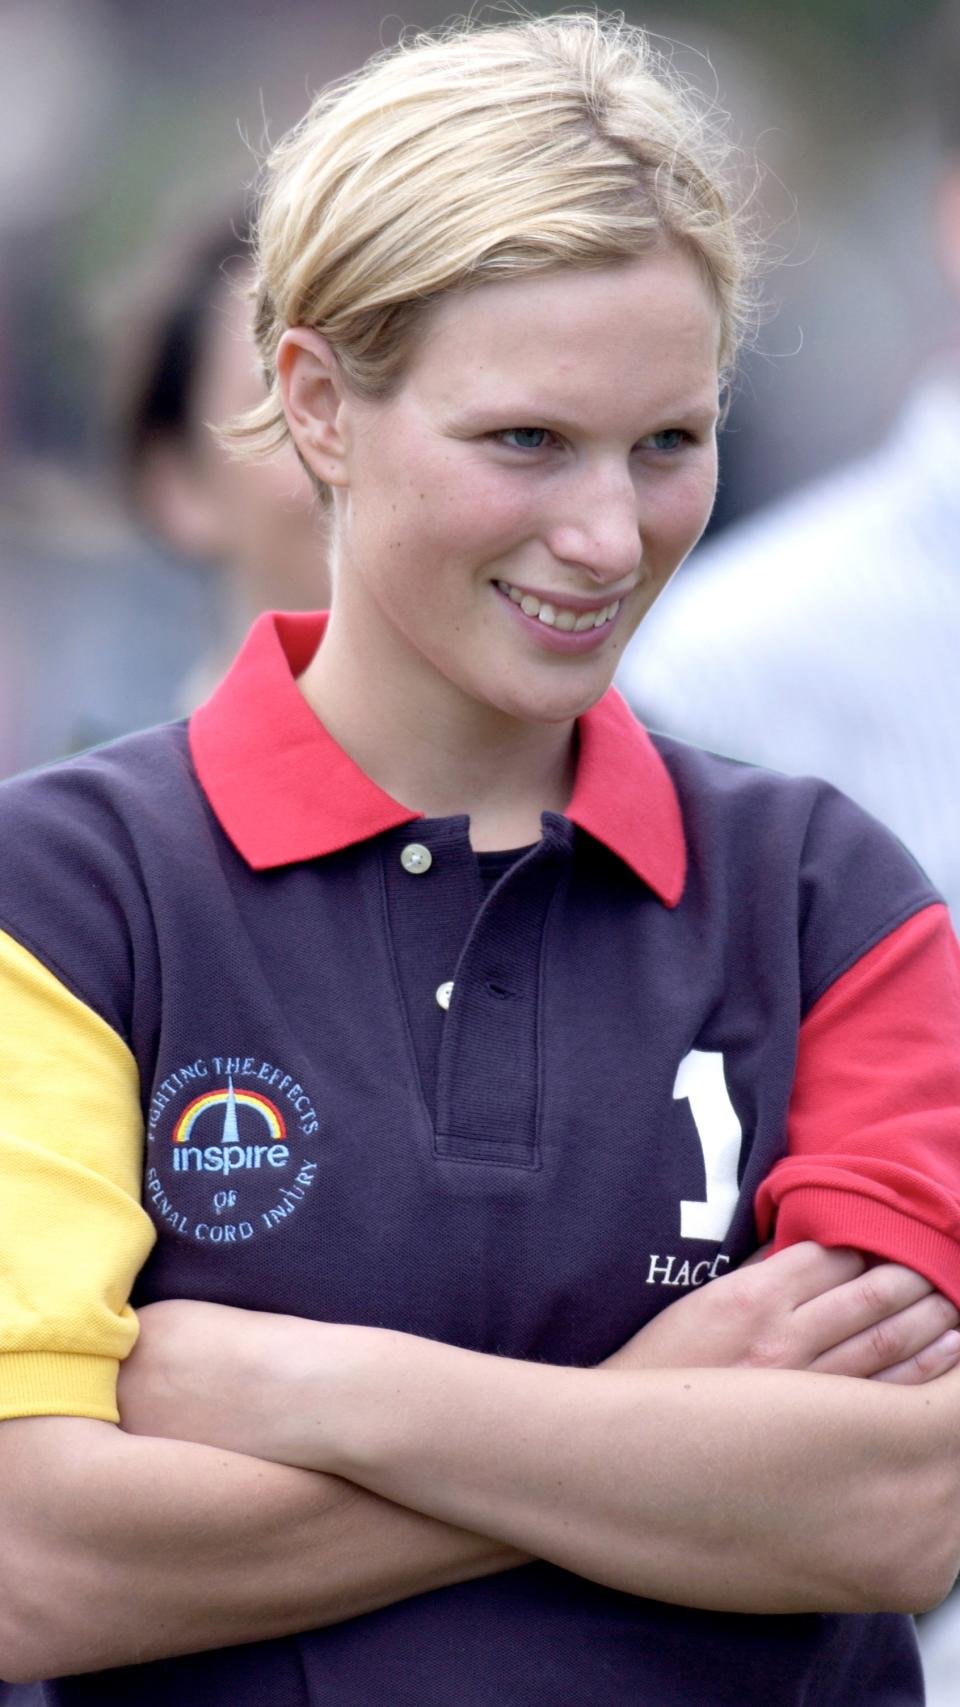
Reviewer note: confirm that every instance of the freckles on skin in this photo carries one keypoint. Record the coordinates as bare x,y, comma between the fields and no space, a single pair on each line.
600,362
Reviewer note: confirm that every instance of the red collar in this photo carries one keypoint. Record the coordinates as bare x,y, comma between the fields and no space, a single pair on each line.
283,790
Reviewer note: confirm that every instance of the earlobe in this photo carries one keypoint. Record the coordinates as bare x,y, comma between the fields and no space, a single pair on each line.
311,391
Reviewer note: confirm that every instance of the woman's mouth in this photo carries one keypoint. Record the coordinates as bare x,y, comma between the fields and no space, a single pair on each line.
554,614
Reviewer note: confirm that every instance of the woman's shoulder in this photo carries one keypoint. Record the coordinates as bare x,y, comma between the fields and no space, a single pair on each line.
118,769
89,813
747,796
751,806
79,838
794,847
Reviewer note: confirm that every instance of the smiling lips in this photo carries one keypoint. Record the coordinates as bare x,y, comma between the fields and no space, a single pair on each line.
560,616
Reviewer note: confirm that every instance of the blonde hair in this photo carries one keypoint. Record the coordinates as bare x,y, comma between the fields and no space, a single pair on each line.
481,153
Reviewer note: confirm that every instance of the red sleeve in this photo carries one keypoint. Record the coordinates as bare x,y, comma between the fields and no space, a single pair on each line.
874,1121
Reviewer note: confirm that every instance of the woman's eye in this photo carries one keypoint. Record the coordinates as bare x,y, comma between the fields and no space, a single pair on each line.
672,438
524,438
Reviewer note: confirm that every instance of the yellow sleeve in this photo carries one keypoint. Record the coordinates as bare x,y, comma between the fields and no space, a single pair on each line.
72,1233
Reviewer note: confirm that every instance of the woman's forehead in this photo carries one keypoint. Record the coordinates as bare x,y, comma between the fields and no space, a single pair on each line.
650,324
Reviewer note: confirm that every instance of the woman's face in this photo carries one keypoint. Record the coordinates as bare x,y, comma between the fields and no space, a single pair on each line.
507,518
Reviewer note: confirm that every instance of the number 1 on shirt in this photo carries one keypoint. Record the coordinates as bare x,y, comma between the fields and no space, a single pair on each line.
701,1083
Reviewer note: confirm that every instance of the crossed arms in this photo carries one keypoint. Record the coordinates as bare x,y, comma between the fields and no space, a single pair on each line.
274,1475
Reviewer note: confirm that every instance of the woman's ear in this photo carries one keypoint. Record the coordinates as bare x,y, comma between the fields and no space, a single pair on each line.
311,389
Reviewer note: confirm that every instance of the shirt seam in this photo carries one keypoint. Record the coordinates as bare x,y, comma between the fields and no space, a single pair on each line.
863,948
50,964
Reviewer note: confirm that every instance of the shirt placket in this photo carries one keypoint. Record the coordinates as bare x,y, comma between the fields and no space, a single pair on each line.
489,1068
469,974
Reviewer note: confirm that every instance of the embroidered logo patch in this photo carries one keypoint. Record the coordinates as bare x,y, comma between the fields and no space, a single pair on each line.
228,1160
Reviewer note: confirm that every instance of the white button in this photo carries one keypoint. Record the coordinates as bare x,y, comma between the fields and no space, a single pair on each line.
444,992
416,859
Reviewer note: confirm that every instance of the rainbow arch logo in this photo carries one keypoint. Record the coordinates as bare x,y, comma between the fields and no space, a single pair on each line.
230,1100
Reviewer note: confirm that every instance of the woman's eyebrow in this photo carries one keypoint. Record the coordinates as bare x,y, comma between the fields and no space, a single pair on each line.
699,410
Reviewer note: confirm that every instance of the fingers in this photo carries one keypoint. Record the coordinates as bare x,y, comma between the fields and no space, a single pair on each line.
838,1312
869,1305
893,1339
935,1359
832,1311
806,1270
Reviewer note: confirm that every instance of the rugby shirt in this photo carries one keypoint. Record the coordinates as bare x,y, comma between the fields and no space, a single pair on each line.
710,1003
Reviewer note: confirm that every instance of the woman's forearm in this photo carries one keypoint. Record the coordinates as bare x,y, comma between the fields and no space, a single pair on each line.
755,1491
115,1549
740,1490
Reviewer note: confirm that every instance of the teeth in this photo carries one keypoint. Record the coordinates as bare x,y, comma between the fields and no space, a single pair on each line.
555,616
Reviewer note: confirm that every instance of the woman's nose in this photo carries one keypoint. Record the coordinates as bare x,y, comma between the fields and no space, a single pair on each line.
597,528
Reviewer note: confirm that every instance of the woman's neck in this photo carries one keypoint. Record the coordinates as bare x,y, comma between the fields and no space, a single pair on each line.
438,751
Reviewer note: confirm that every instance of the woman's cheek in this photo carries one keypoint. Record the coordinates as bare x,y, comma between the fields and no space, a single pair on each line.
683,513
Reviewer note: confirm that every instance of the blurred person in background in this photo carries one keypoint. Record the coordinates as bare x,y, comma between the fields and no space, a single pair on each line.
823,635
95,625
80,589
184,364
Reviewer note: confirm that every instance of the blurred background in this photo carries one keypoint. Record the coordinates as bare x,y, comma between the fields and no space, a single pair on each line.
130,136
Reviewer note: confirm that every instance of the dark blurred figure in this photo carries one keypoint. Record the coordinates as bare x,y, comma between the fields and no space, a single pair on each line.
823,636
104,629
188,365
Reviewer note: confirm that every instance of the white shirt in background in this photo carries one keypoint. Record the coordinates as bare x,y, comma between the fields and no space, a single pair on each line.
823,637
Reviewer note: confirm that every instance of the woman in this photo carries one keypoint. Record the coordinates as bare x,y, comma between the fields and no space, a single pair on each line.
468,1027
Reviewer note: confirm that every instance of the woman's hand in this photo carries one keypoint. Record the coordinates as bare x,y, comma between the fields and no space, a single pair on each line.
829,1311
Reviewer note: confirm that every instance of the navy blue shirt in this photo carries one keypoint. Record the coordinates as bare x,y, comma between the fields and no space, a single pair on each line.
518,1117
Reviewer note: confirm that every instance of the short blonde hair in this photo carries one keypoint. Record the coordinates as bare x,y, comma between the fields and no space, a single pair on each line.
476,154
